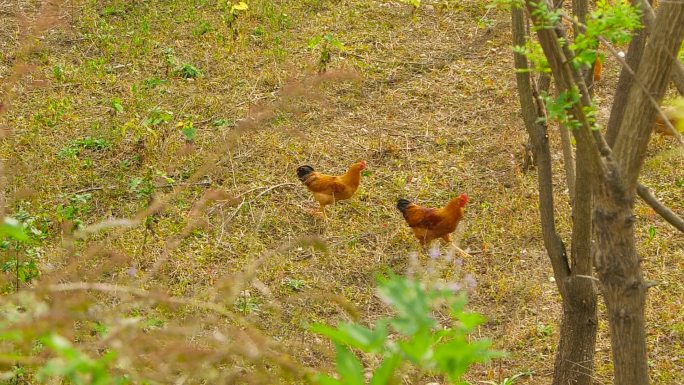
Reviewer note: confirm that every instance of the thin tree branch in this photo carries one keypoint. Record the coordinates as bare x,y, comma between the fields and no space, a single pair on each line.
580,9
544,83
666,120
606,143
629,64
568,162
542,156
670,216
589,167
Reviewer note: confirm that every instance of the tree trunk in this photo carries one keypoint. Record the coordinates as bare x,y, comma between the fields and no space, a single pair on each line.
622,284
614,252
574,362
575,357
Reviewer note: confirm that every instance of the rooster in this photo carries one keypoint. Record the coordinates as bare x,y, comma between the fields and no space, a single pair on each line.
328,189
429,224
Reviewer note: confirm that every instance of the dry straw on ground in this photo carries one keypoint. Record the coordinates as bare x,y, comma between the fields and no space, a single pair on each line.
198,283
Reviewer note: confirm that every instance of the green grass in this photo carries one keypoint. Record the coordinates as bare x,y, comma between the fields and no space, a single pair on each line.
433,110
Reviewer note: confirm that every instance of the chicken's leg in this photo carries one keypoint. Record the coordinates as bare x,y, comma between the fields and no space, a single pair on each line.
322,211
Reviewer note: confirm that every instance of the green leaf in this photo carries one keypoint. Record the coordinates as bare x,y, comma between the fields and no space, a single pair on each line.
12,228
471,320
315,41
324,379
383,373
117,106
419,348
348,366
56,342
189,131
411,302
355,335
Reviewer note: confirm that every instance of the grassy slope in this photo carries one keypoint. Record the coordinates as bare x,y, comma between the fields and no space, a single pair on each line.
434,112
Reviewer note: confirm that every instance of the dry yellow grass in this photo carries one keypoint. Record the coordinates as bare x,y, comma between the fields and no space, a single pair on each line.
432,107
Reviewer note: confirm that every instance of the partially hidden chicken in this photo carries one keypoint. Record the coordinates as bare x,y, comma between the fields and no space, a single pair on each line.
675,117
430,223
328,189
598,68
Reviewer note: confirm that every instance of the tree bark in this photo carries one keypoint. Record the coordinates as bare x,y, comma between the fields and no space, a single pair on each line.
613,178
580,8
625,80
648,21
622,283
615,257
575,355
649,86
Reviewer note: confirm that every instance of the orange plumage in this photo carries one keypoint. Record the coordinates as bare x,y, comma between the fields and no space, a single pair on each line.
328,189
672,116
428,223
598,67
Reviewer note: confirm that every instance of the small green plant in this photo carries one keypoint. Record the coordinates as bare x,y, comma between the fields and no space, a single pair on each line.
544,330
294,284
326,44
153,323
679,182
188,71
25,270
485,23
247,304
20,239
651,232
99,328
188,130
420,340
12,234
58,73
157,116
258,34
142,187
74,149
116,105
77,206
153,82
202,28
232,16
222,122
54,112
169,59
